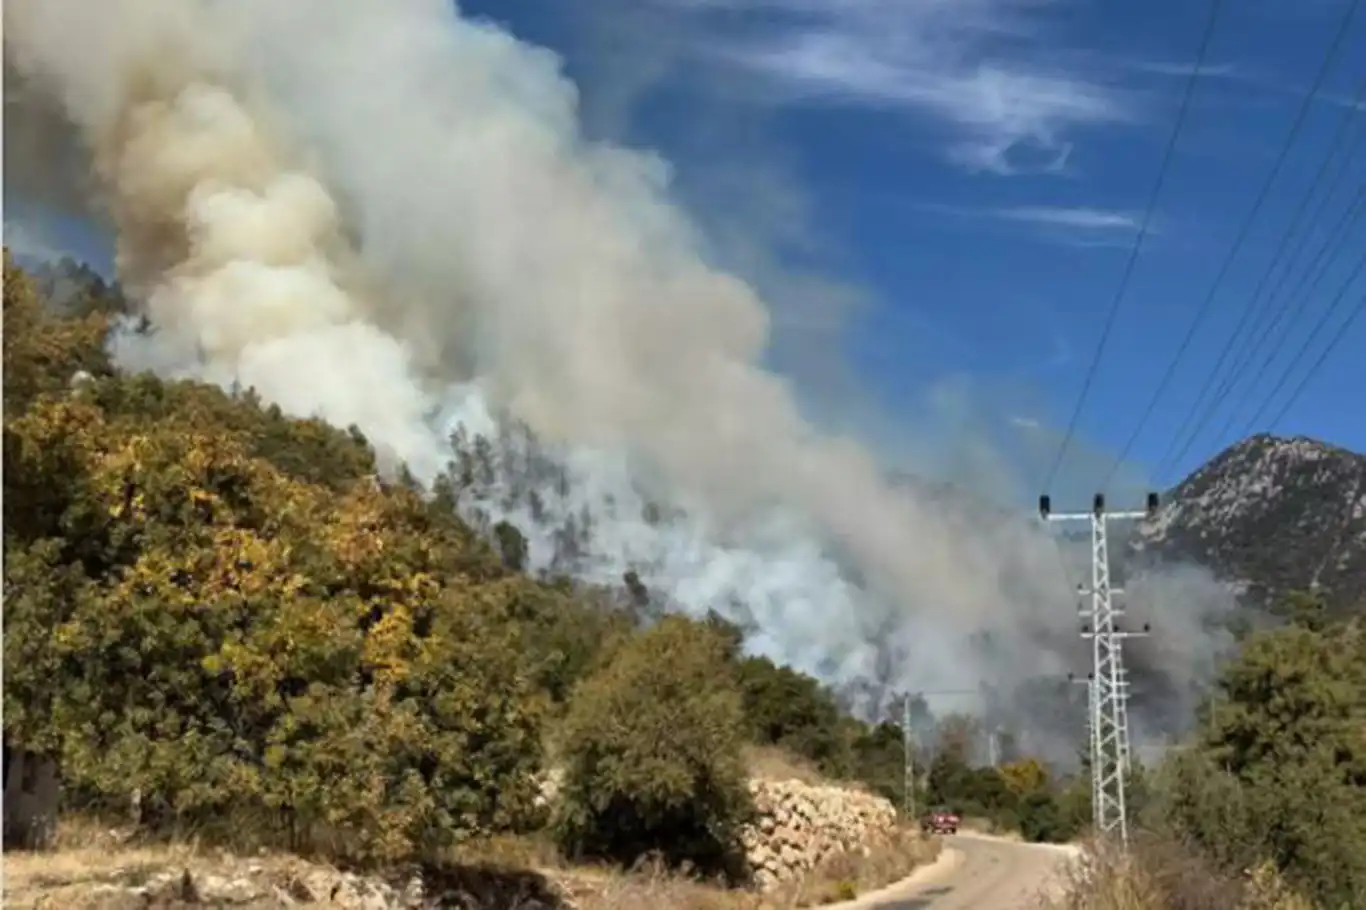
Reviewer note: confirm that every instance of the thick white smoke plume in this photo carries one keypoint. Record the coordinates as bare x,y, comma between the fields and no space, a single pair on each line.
385,214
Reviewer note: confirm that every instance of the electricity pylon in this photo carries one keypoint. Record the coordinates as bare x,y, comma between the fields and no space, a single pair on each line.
1108,689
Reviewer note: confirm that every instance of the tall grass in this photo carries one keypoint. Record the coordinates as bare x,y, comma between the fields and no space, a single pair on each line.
1160,873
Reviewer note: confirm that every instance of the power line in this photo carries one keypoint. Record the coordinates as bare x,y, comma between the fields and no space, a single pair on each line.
1204,308
1343,331
1357,210
1253,316
1323,356
1293,305
1320,268
1127,275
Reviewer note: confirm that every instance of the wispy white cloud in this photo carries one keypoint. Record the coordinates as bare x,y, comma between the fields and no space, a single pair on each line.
982,71
1086,219
1185,69
1256,80
1076,226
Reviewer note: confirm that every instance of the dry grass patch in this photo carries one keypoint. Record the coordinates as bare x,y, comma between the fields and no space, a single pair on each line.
1164,875
510,851
654,888
773,763
94,866
853,874
844,878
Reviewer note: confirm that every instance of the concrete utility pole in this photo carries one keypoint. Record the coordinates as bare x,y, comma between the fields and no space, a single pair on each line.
908,807
1109,714
908,748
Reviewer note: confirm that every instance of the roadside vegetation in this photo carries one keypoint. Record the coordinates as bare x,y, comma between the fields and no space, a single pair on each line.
232,628
228,625
1266,808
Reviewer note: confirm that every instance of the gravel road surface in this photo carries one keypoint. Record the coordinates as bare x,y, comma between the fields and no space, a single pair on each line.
980,873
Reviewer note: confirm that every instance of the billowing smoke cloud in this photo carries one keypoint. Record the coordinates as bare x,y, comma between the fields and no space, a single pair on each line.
42,149
385,214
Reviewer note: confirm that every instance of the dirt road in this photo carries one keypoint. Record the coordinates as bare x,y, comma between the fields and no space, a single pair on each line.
981,873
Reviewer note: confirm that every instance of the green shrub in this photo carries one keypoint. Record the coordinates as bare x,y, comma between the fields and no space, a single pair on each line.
652,750
1280,771
1041,821
791,710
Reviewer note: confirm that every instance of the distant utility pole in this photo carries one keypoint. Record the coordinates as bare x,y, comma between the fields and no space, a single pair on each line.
1108,709
908,747
908,752
1092,741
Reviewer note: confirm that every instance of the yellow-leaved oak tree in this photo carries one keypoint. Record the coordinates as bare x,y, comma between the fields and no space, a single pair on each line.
218,608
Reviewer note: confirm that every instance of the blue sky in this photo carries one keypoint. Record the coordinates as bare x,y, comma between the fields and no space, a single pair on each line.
973,173
939,196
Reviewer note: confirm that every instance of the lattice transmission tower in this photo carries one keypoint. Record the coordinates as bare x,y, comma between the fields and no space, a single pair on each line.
1108,687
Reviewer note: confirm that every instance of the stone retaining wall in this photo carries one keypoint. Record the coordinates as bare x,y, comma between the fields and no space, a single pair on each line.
32,794
801,826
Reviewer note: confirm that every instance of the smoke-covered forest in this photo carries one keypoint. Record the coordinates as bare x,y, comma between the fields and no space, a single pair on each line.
438,453
314,618
235,615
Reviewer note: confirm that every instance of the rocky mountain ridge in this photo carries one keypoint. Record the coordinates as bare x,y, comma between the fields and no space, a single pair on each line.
1270,515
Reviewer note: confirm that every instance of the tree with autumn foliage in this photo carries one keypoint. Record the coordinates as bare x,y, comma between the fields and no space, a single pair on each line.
218,608
224,614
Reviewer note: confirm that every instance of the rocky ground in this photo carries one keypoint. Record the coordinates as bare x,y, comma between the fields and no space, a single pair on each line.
812,843
802,827
106,869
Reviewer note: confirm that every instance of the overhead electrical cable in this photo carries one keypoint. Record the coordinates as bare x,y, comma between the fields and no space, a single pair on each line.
1356,211
1127,275
1242,235
1261,318
1308,341
1319,269
1343,331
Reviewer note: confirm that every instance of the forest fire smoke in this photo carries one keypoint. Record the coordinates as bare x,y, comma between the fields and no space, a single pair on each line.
384,213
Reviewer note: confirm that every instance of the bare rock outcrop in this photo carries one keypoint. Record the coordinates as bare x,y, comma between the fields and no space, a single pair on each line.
800,827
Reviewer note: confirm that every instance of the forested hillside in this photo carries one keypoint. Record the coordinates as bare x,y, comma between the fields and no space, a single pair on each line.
235,622
232,621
